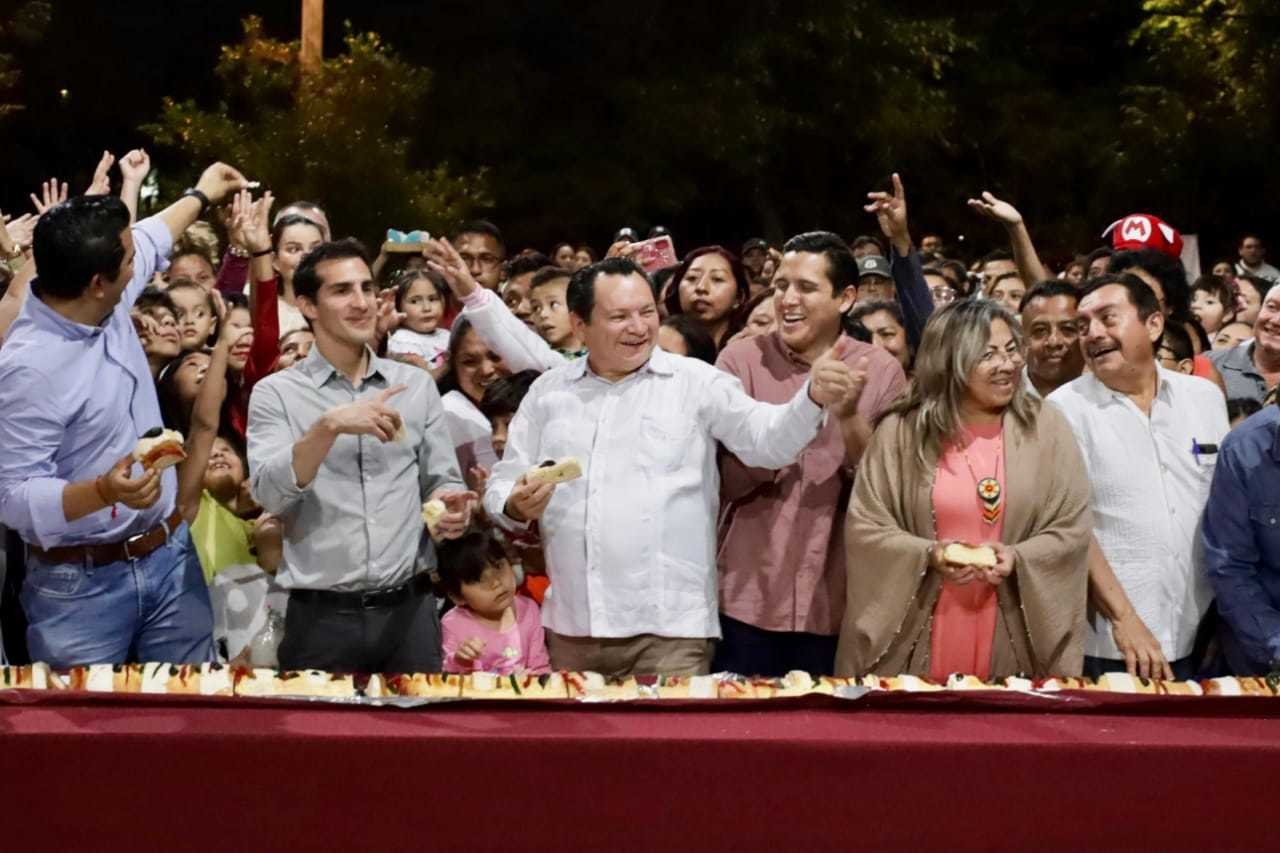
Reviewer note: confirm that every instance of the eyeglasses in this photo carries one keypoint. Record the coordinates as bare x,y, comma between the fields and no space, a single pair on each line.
485,259
942,295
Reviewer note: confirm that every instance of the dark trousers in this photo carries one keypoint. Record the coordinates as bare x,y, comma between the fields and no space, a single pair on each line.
748,650
319,634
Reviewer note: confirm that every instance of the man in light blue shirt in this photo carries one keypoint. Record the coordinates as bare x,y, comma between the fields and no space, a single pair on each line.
112,574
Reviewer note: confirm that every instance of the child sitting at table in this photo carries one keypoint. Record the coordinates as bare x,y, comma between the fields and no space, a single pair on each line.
491,628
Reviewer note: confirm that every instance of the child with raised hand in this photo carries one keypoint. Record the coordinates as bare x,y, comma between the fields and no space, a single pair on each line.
212,495
421,298
236,552
491,628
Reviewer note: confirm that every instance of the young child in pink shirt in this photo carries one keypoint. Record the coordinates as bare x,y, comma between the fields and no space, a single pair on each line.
491,628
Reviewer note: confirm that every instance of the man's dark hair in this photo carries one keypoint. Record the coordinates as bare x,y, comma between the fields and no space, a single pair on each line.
862,309
842,268
1141,296
76,240
463,560
6,277
547,274
306,282
479,226
697,340
581,295
277,230
1175,337
996,255
503,396
1100,252
1165,269
1259,285
1250,235
863,240
521,264
1048,289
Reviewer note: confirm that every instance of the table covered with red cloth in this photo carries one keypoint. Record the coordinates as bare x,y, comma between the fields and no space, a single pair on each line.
85,772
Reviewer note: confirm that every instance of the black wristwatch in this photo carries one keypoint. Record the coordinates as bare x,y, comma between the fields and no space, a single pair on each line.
199,196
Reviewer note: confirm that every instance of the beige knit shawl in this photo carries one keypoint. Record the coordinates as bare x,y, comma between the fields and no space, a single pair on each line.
1040,624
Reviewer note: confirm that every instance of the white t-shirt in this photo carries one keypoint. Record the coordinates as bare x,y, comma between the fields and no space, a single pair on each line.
470,430
433,347
1148,493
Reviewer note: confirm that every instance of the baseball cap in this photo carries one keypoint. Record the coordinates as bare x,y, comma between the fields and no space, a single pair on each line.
874,265
755,243
1145,231
627,233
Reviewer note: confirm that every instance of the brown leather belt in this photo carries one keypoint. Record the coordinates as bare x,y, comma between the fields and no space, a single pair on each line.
133,548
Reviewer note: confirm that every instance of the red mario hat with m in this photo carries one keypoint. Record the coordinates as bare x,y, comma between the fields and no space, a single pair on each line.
1145,231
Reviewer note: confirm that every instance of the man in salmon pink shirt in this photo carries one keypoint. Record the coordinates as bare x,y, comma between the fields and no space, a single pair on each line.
781,554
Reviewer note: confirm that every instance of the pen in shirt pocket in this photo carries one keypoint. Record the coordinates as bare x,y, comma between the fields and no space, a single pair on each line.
1198,450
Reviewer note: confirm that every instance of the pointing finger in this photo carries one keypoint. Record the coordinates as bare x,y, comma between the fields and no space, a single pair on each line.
386,395
897,187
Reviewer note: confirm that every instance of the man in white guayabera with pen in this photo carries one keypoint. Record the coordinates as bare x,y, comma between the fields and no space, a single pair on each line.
630,545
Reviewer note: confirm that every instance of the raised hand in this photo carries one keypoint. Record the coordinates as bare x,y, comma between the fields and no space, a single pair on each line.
891,212
219,181
445,260
21,230
101,184
249,225
372,415
51,193
135,166
389,319
993,208
621,249
830,379
145,326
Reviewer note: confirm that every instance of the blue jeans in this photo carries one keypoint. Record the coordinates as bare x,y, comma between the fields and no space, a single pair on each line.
152,609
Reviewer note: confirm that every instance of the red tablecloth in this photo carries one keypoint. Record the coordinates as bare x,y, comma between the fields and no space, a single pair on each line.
114,773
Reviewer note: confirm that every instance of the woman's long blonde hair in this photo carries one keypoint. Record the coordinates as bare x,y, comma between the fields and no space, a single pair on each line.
953,341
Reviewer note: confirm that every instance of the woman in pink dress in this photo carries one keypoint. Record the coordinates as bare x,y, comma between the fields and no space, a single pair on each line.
969,457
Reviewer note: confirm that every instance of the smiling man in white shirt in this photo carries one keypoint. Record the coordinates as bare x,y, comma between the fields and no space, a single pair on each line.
630,546
1149,438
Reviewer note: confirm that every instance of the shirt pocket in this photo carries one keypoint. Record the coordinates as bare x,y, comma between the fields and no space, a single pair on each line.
1265,521
665,442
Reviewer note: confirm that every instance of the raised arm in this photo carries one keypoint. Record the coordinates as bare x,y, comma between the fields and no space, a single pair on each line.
904,262
520,347
217,183
1024,252
766,435
206,414
134,168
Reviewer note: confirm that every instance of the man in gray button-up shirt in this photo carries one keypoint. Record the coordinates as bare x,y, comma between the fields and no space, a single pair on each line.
344,447
1252,369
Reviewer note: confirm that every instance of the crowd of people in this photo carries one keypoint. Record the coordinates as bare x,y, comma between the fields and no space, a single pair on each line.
775,448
